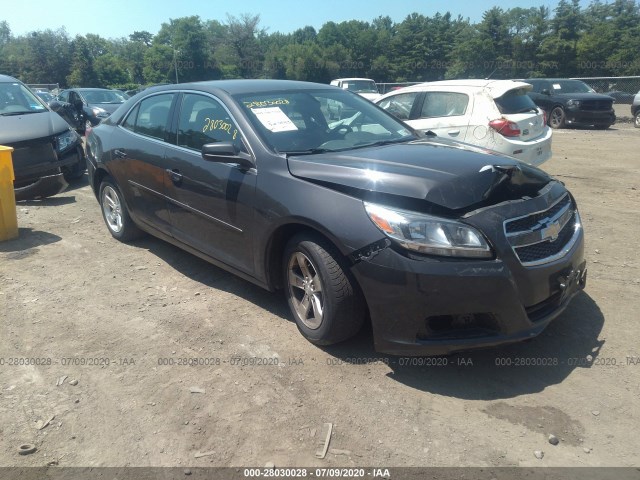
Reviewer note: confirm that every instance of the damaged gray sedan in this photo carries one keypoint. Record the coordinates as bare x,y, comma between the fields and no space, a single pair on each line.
440,245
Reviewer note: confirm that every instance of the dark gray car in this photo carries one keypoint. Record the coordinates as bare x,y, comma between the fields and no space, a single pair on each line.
442,246
46,149
635,110
93,104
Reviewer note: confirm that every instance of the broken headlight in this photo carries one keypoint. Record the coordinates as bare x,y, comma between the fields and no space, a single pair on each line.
428,234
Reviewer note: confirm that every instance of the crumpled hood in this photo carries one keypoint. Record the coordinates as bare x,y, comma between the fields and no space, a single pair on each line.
447,174
18,128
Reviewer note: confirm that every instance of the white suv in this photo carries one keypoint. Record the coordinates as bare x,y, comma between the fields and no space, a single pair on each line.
494,114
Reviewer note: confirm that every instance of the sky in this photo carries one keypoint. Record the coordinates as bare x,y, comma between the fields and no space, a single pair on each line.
119,18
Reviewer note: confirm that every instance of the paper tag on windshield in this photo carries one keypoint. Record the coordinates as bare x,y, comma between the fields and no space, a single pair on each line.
557,86
274,119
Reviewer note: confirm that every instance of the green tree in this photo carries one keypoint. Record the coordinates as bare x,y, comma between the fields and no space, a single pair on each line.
82,73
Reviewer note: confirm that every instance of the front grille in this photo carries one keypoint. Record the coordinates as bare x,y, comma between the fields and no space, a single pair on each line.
529,222
542,237
546,249
595,105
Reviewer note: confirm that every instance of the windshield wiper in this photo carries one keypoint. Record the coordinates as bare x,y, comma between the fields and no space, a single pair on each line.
383,142
26,112
311,151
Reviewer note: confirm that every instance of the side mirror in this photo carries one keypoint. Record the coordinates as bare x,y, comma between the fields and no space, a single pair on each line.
55,105
226,152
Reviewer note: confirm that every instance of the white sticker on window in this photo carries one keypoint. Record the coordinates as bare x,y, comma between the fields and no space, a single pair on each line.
557,86
274,119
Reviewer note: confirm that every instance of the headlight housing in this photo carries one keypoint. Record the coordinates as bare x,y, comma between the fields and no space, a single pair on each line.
574,103
428,234
66,140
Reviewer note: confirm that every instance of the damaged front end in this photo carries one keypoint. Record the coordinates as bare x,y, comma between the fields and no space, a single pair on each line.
477,254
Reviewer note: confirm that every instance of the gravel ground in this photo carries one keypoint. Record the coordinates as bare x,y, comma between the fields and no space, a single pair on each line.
111,333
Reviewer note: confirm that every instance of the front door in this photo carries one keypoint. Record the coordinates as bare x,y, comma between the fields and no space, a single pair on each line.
211,203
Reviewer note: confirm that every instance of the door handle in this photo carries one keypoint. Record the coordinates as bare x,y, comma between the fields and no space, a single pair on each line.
454,133
120,153
176,176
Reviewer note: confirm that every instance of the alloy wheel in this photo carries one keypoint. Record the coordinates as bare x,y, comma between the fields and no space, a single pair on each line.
306,290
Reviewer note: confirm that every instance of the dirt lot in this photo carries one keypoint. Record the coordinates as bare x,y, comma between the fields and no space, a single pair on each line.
120,319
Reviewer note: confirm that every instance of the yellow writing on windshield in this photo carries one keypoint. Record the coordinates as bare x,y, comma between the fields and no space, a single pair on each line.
266,103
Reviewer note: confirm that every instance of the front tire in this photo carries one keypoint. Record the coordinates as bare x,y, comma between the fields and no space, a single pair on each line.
115,212
636,120
323,296
557,118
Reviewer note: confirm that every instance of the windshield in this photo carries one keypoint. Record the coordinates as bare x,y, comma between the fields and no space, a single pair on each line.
361,86
103,96
16,99
571,86
299,121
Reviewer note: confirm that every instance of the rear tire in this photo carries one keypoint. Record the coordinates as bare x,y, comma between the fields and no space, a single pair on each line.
115,214
557,118
323,296
636,120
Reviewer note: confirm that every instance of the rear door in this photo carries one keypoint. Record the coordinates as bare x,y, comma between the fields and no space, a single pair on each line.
444,112
138,161
211,203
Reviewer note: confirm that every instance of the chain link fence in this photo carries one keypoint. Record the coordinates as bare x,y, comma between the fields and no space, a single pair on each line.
623,89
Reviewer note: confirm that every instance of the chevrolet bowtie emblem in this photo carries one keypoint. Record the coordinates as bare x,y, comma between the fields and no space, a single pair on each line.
551,231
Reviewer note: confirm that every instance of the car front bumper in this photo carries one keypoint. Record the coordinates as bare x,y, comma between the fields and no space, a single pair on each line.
590,117
42,187
437,307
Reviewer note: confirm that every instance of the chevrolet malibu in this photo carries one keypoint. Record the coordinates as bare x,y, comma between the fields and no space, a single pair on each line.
441,246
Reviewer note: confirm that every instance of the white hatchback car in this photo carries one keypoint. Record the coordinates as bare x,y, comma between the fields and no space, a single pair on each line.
494,114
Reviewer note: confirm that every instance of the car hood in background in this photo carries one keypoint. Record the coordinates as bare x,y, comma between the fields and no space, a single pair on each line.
370,96
447,174
18,128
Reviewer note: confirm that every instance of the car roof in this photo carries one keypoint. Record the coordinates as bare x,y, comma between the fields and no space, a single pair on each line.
354,78
497,88
90,89
242,86
7,78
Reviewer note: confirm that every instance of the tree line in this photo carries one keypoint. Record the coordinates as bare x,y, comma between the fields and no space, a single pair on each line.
601,39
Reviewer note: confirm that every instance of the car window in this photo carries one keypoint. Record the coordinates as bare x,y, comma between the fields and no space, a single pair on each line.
515,101
151,116
204,120
301,122
16,99
64,96
400,105
444,104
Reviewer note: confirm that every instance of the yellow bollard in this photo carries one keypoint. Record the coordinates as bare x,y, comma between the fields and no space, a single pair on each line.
8,216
